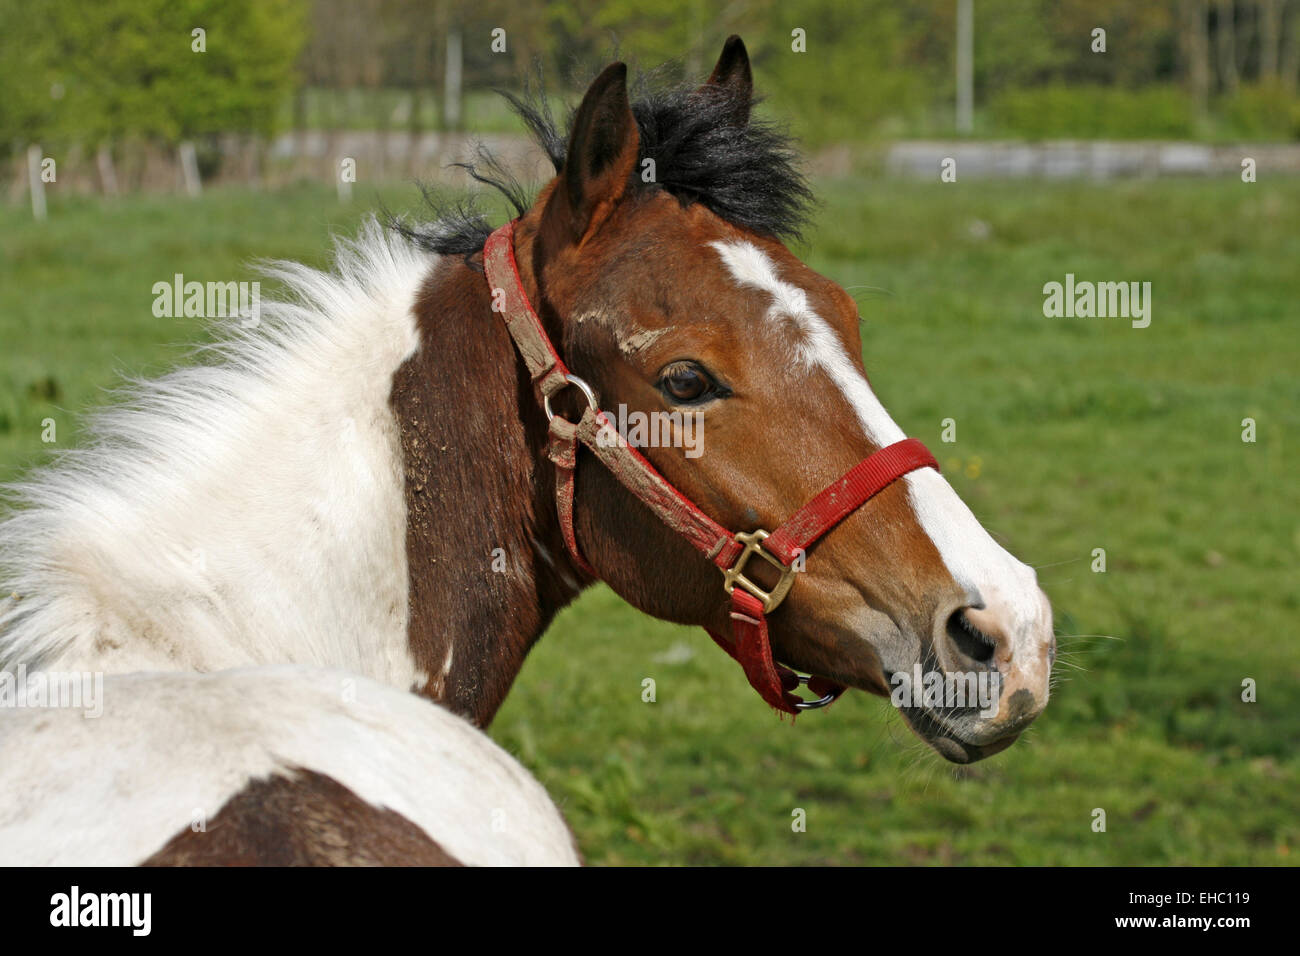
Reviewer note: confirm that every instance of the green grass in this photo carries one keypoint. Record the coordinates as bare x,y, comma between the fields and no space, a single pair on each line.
1073,435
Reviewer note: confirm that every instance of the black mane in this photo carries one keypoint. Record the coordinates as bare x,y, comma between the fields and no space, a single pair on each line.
747,175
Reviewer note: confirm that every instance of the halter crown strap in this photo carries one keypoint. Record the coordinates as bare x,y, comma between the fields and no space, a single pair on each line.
547,370
749,603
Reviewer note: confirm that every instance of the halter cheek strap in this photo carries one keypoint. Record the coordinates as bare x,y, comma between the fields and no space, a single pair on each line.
749,603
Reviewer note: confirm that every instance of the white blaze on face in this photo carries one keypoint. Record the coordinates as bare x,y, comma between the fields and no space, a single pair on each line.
976,562
818,346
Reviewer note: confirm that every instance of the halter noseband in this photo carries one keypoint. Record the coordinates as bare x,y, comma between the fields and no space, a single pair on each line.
750,604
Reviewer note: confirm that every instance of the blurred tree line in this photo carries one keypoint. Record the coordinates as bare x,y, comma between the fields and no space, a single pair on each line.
106,71
870,68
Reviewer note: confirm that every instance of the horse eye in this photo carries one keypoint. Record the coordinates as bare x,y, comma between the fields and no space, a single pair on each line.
685,382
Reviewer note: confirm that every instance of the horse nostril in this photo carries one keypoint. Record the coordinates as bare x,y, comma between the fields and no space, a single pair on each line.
969,639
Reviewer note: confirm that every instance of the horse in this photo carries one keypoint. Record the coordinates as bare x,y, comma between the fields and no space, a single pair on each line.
405,469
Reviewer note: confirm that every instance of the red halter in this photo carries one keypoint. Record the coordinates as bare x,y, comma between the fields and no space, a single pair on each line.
750,604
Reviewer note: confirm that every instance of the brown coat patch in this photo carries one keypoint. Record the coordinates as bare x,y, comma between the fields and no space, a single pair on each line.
473,486
308,819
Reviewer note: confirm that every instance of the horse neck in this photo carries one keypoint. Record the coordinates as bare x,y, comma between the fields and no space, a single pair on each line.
354,487
486,565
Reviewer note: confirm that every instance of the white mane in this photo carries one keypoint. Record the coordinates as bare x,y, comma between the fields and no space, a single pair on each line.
244,511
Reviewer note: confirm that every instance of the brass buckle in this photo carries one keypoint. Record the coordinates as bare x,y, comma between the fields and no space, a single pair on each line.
734,575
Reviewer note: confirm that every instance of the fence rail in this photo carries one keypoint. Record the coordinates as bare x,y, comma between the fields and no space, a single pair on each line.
346,157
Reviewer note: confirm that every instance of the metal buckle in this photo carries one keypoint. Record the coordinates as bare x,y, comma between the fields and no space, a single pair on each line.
734,575
581,385
811,704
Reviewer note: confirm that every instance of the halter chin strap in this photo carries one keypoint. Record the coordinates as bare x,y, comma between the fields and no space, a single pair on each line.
750,604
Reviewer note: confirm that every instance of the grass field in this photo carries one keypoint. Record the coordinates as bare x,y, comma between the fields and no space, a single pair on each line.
1073,434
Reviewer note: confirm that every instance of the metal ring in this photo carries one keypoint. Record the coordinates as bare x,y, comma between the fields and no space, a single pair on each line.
811,704
571,380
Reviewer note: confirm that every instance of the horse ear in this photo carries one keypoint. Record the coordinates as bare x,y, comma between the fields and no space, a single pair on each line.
734,79
601,156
